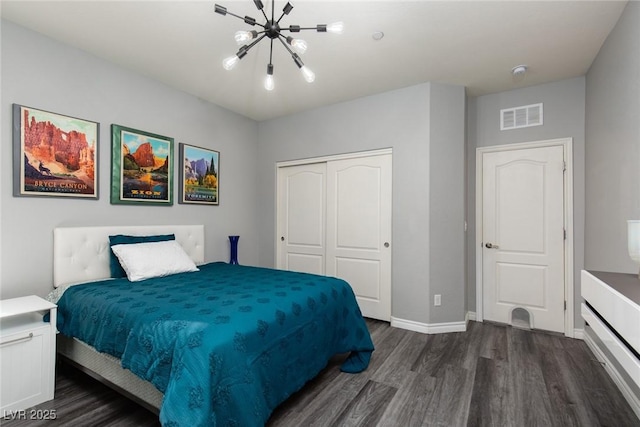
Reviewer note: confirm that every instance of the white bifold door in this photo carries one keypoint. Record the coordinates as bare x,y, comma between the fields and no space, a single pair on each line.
334,218
302,218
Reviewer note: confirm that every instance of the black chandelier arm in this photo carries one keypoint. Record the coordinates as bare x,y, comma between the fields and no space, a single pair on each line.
281,16
293,54
271,55
255,42
297,60
257,33
244,49
287,8
321,28
223,11
260,7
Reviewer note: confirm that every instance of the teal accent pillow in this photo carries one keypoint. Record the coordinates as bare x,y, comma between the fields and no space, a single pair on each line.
120,239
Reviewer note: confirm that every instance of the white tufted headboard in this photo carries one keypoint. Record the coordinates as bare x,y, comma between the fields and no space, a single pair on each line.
81,254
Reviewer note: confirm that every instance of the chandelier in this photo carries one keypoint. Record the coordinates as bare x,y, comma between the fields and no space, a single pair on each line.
273,31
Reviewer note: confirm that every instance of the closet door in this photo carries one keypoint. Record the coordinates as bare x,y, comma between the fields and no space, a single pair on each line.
301,218
359,230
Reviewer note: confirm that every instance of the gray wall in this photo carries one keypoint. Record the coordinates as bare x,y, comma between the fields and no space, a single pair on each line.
41,73
613,146
404,120
447,204
564,106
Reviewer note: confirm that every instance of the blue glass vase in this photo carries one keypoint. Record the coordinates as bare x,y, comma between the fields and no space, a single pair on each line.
233,258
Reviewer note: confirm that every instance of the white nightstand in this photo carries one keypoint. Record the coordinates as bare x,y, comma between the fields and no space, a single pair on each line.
27,352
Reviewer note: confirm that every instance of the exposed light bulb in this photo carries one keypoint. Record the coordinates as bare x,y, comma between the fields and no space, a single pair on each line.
336,27
230,62
242,37
298,45
269,84
309,75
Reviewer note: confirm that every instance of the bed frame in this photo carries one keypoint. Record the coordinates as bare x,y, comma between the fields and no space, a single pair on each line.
81,254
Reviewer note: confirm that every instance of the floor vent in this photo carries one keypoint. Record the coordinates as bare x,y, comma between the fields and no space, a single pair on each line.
521,117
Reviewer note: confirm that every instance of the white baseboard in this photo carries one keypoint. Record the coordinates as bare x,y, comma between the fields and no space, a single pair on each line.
429,328
578,334
471,315
626,391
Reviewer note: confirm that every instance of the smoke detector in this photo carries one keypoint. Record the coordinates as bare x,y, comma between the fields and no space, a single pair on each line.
377,35
519,70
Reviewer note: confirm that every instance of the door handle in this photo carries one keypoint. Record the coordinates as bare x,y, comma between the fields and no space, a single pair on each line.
491,246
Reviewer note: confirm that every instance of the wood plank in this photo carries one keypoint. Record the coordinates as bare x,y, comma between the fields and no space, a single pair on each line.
409,406
449,404
400,360
491,399
327,404
562,391
598,396
494,341
367,407
531,400
433,355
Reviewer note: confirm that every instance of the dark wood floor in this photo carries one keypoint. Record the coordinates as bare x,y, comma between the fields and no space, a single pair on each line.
491,375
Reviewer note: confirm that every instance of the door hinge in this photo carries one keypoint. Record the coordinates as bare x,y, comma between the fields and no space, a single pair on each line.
564,166
564,234
565,306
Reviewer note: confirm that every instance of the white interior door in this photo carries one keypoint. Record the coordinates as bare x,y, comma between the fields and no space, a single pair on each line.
301,218
523,235
359,230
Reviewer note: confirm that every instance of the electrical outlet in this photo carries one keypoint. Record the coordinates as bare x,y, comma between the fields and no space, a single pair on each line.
437,300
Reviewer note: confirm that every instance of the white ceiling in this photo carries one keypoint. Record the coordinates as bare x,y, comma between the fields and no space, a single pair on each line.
469,43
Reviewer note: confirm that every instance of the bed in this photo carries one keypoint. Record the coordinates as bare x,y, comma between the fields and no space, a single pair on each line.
223,345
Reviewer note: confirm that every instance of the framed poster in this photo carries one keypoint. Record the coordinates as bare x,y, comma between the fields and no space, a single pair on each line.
199,175
54,155
141,167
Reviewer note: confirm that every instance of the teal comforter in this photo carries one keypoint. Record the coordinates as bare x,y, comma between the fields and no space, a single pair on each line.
225,345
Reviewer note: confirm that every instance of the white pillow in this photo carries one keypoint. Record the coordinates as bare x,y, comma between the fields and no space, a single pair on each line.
154,259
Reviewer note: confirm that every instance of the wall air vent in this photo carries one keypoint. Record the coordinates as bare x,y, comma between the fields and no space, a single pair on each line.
521,117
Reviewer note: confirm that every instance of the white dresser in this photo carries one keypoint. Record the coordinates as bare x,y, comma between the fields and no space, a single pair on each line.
611,307
27,353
